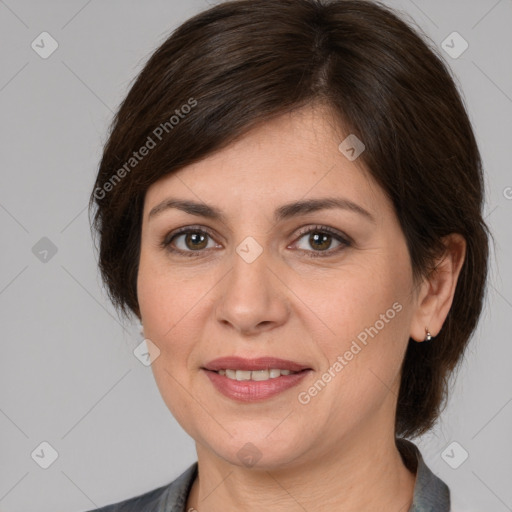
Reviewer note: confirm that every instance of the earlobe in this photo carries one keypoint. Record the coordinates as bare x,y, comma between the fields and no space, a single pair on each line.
438,290
428,336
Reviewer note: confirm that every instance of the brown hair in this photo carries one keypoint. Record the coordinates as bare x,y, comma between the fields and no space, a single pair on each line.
245,61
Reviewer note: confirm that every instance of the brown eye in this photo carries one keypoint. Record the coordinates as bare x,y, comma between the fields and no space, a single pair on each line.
320,241
194,240
187,241
320,238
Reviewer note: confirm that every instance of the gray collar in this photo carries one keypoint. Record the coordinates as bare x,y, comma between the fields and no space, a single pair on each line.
431,494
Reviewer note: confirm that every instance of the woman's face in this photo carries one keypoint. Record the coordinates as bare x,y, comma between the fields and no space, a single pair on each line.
328,290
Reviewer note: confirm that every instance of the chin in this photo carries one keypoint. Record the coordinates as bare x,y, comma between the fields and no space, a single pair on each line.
257,451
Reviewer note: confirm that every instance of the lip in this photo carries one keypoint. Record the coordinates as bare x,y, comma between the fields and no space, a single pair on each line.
260,363
253,390
250,390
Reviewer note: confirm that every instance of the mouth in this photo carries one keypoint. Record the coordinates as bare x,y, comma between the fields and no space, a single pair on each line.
250,380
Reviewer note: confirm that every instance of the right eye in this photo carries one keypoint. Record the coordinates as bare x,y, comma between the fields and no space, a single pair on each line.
187,241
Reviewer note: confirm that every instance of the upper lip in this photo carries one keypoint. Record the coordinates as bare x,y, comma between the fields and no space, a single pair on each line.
260,363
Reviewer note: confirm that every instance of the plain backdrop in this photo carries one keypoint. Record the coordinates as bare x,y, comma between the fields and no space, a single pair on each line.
68,375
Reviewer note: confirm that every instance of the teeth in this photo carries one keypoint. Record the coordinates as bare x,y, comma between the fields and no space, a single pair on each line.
257,375
243,375
260,375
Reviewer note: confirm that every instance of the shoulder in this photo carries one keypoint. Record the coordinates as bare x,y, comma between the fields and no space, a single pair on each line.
169,497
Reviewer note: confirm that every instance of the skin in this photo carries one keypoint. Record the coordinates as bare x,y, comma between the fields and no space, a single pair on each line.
337,451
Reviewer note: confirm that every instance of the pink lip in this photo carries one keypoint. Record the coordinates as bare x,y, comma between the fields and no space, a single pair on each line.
260,363
252,390
249,390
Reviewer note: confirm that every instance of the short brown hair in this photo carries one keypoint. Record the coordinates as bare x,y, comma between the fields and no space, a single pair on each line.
245,61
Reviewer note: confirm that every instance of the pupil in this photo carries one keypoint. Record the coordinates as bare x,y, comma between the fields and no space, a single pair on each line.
195,237
322,238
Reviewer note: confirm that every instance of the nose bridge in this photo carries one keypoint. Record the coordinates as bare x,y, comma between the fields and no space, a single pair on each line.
252,297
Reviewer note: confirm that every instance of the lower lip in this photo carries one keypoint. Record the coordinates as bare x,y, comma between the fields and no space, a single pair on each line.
254,390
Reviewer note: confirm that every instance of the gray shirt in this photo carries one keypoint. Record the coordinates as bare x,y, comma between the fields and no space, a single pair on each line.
431,494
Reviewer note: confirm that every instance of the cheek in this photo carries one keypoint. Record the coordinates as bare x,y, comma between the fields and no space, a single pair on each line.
362,361
170,313
367,315
170,321
358,304
167,294
173,303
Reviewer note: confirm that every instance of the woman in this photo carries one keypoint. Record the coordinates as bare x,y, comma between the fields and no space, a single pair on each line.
290,202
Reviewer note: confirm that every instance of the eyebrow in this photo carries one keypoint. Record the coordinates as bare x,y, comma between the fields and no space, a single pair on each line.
285,211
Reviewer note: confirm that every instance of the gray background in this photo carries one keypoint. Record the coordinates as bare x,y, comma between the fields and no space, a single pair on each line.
68,375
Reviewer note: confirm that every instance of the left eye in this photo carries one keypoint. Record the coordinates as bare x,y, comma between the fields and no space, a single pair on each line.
321,240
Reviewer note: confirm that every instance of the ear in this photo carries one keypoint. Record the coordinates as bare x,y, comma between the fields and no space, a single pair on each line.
435,296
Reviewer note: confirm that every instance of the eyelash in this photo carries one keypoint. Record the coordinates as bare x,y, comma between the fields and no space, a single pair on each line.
344,240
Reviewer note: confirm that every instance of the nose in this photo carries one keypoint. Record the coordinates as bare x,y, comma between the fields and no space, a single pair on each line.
253,298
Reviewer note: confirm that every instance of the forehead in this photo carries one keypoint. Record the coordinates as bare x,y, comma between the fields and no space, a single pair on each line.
295,155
